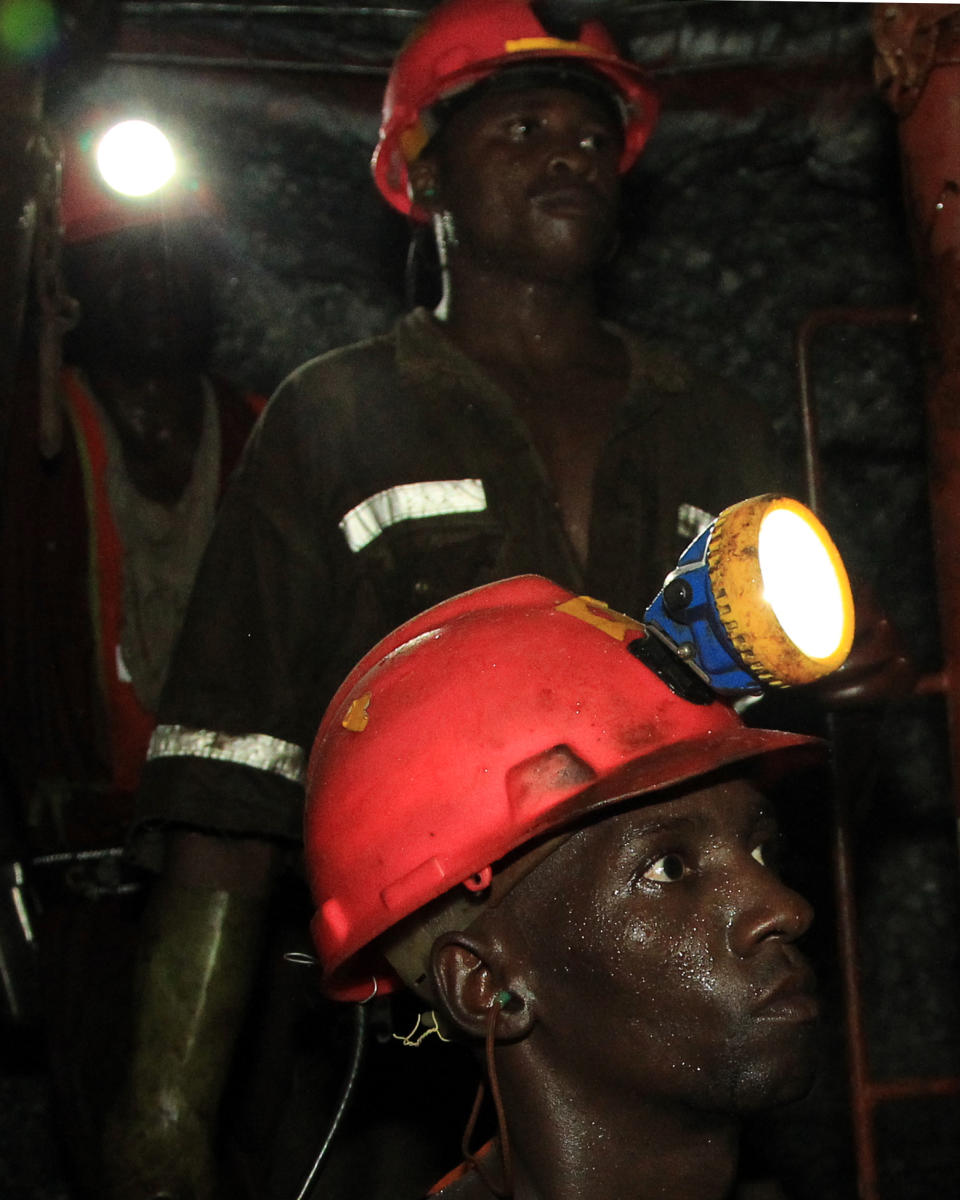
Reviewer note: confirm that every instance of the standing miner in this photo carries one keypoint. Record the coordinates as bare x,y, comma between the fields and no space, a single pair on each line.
100,536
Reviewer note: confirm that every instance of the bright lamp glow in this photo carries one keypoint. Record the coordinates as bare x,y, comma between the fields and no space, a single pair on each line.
760,599
800,582
135,158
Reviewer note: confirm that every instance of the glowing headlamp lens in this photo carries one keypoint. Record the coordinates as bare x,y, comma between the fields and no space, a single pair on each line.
135,158
759,599
781,589
800,582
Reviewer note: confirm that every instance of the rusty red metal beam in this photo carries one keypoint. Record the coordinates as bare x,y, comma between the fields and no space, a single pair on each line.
918,66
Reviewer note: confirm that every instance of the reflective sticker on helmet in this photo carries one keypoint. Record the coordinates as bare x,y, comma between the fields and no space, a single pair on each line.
358,714
520,45
601,616
407,502
413,140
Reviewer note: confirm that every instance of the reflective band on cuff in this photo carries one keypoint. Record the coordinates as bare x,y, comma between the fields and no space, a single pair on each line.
410,501
257,750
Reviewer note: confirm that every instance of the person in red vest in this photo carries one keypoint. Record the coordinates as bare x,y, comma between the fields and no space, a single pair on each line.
101,537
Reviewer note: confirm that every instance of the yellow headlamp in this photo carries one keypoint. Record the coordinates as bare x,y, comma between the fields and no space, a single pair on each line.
135,158
761,598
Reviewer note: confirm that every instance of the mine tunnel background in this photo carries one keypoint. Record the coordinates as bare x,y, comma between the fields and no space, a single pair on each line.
770,191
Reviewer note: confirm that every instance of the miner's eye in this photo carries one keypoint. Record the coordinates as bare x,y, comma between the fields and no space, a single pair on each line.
668,869
599,141
520,128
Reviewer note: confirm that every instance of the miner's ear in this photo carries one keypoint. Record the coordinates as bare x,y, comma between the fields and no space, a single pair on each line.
424,183
471,978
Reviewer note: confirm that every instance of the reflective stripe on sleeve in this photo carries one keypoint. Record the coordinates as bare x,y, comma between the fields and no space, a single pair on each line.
257,750
410,501
692,521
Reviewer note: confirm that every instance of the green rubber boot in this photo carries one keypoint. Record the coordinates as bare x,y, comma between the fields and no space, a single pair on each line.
198,956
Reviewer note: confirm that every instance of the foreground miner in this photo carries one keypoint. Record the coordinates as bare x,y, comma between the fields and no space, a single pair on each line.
572,866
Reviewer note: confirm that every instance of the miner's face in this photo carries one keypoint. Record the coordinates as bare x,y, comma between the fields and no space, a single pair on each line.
528,180
662,954
145,298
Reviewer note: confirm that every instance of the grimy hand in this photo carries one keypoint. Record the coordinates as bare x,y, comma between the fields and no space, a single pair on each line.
879,667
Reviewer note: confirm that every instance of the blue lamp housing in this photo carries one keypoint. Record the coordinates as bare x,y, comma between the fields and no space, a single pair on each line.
685,613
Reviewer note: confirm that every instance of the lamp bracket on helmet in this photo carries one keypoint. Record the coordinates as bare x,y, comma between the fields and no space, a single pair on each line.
660,654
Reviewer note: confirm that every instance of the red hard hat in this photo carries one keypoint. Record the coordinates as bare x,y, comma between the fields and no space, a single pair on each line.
503,714
463,41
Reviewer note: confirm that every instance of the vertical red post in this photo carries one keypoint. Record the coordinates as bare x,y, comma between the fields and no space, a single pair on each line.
918,66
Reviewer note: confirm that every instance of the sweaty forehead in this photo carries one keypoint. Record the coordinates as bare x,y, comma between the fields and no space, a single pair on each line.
733,804
732,807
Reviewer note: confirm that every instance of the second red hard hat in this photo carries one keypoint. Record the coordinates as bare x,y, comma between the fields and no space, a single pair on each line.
463,41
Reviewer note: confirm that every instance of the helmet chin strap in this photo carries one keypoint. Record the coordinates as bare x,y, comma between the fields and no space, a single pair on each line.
505,1189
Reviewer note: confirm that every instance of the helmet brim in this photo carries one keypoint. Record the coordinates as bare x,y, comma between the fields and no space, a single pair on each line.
764,755
628,85
767,755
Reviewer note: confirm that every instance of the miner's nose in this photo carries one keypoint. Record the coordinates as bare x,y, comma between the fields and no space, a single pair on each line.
574,153
765,908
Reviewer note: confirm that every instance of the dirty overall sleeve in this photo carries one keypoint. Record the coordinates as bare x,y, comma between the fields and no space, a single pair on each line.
227,759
